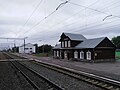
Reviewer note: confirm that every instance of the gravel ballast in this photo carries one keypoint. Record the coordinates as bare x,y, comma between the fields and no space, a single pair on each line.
11,79
64,81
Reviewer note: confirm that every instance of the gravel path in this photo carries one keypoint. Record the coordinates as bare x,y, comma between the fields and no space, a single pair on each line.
65,81
10,79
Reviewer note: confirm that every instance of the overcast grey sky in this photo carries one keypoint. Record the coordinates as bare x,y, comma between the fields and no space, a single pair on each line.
95,18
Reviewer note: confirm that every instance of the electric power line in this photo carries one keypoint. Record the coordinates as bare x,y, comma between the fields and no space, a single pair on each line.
47,16
67,17
33,12
31,15
92,9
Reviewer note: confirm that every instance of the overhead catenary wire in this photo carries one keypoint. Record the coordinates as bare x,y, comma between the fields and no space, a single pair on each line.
72,16
79,12
46,16
77,31
33,12
58,6
37,6
95,22
94,26
86,29
67,17
62,4
93,9
107,17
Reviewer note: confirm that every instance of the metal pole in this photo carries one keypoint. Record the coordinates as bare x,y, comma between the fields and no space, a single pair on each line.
14,46
24,45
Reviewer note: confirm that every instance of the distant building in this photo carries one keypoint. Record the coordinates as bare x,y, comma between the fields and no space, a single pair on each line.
29,48
76,46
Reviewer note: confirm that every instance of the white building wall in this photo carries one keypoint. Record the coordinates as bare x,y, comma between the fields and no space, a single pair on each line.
21,50
29,48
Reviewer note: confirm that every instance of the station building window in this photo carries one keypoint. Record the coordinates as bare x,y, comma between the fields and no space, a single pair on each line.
54,53
81,55
75,54
62,43
60,54
65,54
88,55
65,43
57,53
69,44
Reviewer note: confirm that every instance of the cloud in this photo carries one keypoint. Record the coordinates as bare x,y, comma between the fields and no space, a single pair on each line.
69,18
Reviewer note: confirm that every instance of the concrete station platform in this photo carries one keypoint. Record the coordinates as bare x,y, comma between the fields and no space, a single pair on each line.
107,67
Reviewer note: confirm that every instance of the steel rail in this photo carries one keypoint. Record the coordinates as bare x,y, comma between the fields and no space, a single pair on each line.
26,77
36,73
41,76
103,82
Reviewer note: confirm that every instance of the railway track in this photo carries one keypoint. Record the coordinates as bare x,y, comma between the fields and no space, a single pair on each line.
38,81
102,82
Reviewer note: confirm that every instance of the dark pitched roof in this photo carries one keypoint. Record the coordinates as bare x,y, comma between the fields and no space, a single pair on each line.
77,37
90,43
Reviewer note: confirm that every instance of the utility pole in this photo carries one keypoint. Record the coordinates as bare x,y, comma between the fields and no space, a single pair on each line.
14,47
24,43
16,39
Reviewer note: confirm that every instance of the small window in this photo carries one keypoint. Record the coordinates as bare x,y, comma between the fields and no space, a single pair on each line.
69,44
26,48
65,54
54,53
57,53
60,54
30,48
95,54
89,55
62,43
65,43
75,54
81,55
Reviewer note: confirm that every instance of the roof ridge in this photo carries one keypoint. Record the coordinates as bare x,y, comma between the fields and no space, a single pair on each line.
72,33
90,43
74,36
95,38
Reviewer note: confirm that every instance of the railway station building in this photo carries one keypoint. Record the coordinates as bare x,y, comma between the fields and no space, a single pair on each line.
77,47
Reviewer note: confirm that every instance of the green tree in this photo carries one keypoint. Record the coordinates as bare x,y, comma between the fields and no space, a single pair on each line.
45,48
116,41
36,47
